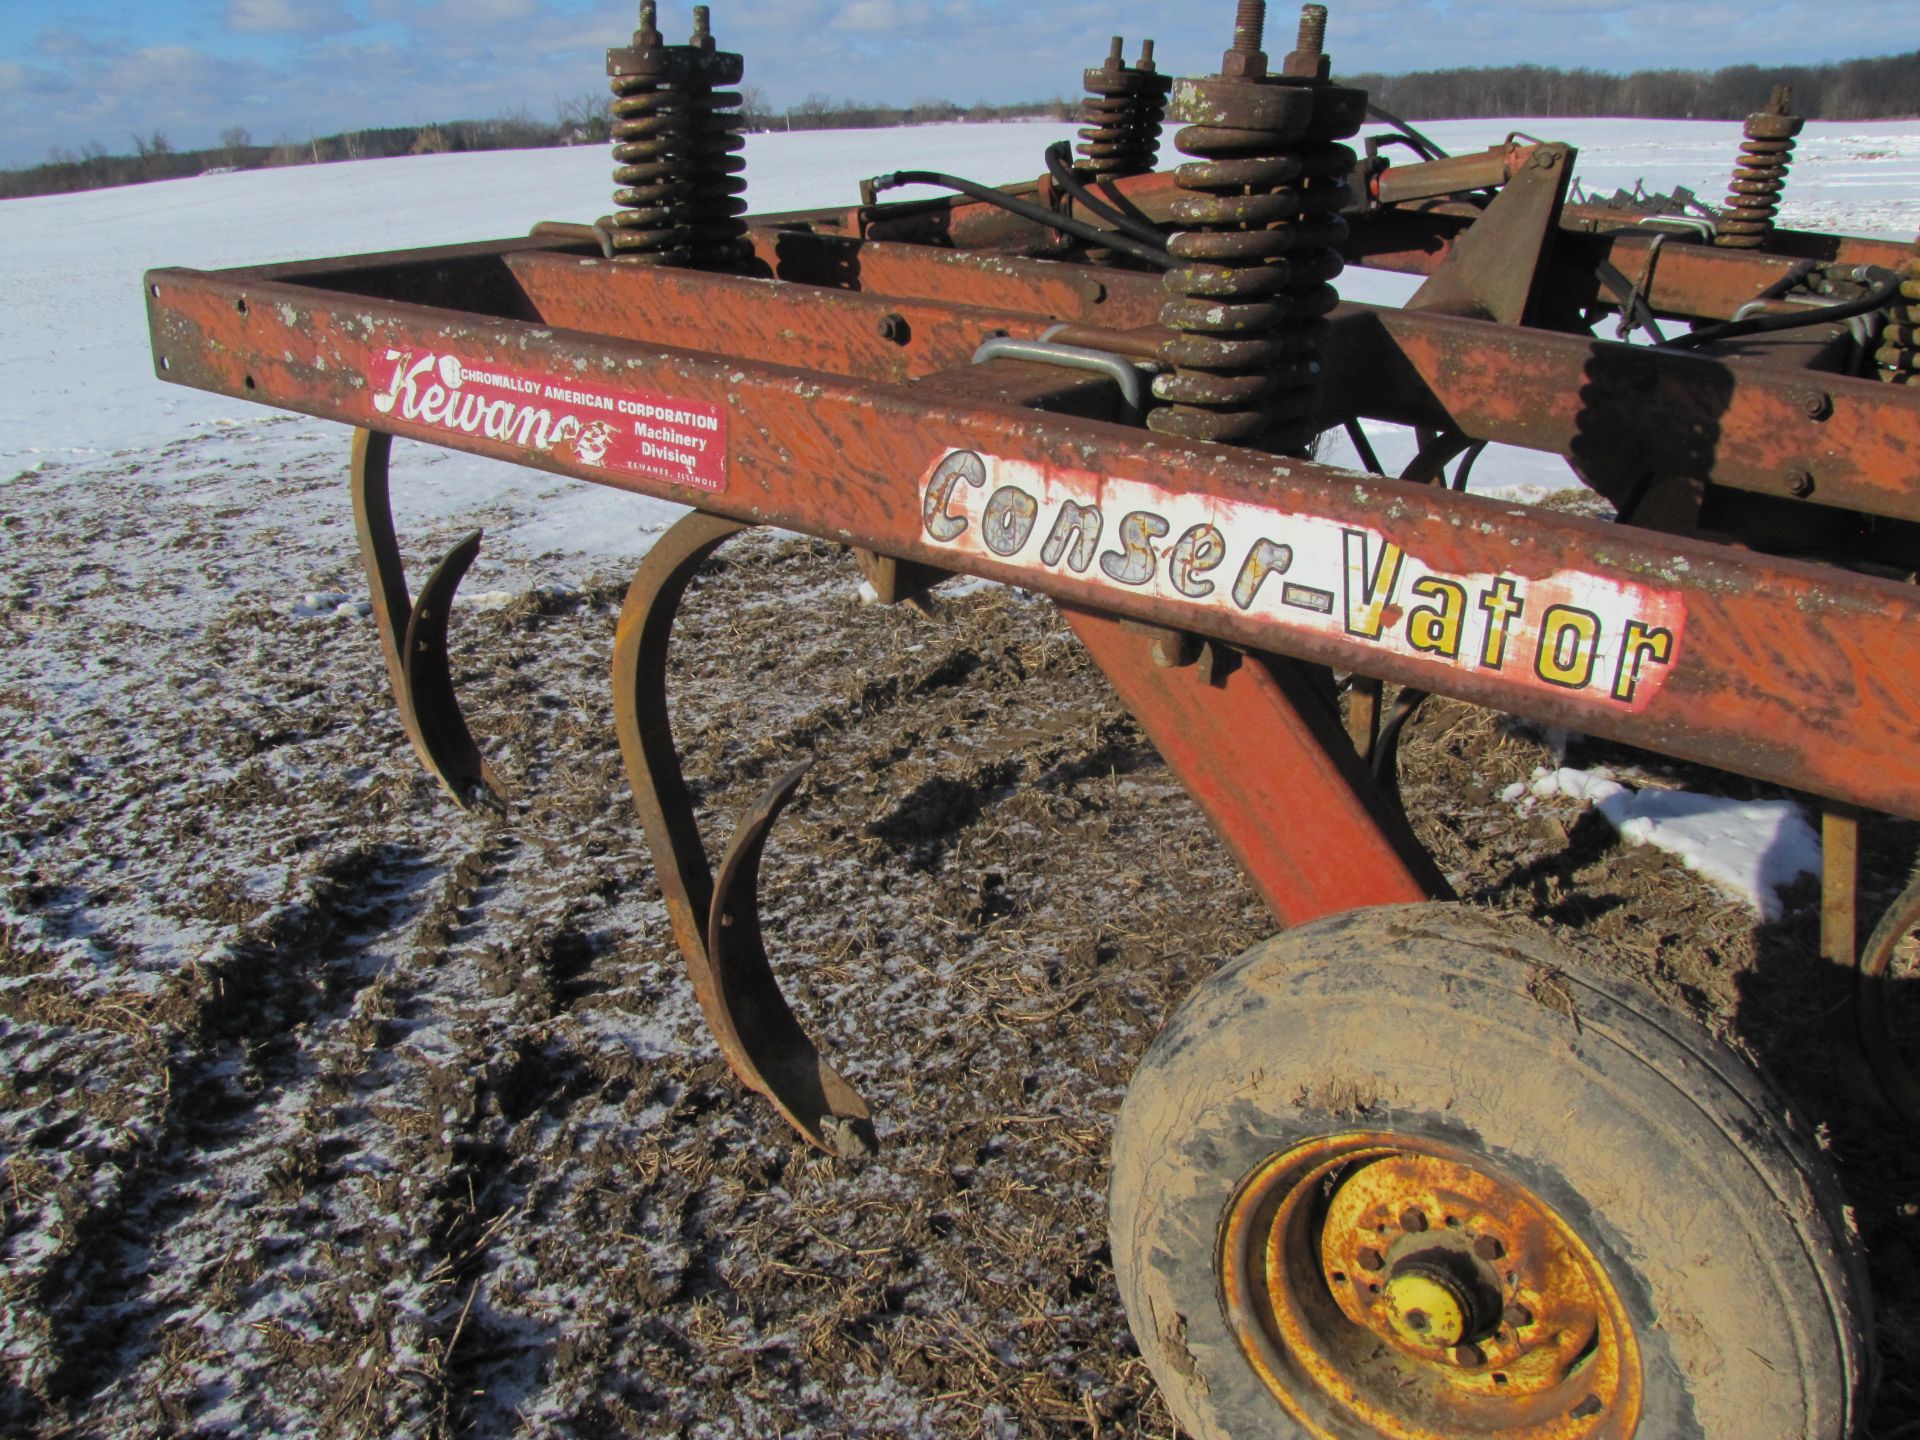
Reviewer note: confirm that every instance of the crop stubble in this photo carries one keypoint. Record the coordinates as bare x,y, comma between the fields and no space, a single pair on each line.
324,1109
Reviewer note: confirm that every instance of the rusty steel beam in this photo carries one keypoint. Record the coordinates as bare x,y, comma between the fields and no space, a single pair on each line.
1261,752
845,332
1620,411
1795,673
1415,237
1632,411
1646,414
928,273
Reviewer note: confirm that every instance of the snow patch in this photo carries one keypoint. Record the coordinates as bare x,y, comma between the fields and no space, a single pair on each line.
1751,848
329,605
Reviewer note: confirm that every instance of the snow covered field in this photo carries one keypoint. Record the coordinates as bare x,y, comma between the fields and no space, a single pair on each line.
76,384
316,1104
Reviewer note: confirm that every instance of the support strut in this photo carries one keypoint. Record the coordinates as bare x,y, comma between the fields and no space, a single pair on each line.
413,633
717,926
1261,751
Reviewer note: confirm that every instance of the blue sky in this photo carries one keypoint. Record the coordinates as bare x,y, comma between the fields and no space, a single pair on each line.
74,72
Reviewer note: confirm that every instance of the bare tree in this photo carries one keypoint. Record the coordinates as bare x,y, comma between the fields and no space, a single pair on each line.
234,139
586,118
152,150
756,111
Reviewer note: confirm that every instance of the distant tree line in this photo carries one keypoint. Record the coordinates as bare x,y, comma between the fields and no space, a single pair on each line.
1876,89
585,120
819,112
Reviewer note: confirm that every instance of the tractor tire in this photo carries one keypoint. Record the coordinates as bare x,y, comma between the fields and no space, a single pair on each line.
1412,1173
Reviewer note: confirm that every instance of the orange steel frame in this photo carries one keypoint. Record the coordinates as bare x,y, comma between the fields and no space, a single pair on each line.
838,382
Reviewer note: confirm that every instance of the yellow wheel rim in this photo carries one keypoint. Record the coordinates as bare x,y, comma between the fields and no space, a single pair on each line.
1408,1287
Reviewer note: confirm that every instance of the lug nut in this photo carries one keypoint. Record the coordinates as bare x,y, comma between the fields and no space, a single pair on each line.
1587,1408
1517,1315
1800,482
1413,1221
1372,1261
1469,1355
1488,1248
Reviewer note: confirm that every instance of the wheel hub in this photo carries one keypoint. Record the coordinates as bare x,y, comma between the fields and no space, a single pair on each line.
1412,1291
1430,1302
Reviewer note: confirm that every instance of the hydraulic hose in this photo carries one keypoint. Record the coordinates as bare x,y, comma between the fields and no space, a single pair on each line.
1886,287
1421,143
1060,168
1028,210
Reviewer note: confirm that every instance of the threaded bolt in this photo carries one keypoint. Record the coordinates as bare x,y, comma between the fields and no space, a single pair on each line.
1308,60
1250,26
649,23
703,27
1313,31
1146,55
1782,101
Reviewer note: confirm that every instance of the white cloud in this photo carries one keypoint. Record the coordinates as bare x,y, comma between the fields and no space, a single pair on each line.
288,17
872,15
467,16
306,65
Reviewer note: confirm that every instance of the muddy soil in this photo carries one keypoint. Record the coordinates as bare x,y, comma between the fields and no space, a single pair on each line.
326,1109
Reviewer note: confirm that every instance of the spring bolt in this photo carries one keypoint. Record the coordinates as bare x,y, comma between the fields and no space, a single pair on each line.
1250,26
677,145
1261,206
1760,175
1122,114
1898,357
1309,59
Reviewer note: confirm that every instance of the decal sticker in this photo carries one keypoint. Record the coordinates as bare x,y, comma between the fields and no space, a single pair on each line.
634,432
1572,631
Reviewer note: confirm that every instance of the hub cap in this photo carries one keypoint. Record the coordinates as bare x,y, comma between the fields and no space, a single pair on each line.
1407,1287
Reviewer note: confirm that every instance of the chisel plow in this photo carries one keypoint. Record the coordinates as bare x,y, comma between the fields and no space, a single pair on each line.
1401,1171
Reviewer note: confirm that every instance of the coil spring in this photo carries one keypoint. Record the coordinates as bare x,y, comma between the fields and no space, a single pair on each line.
651,126
677,142
1899,353
1760,175
1261,204
1122,114
1263,227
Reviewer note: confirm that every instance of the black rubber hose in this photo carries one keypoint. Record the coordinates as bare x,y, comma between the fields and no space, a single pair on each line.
1886,287
1420,142
1060,167
1039,214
